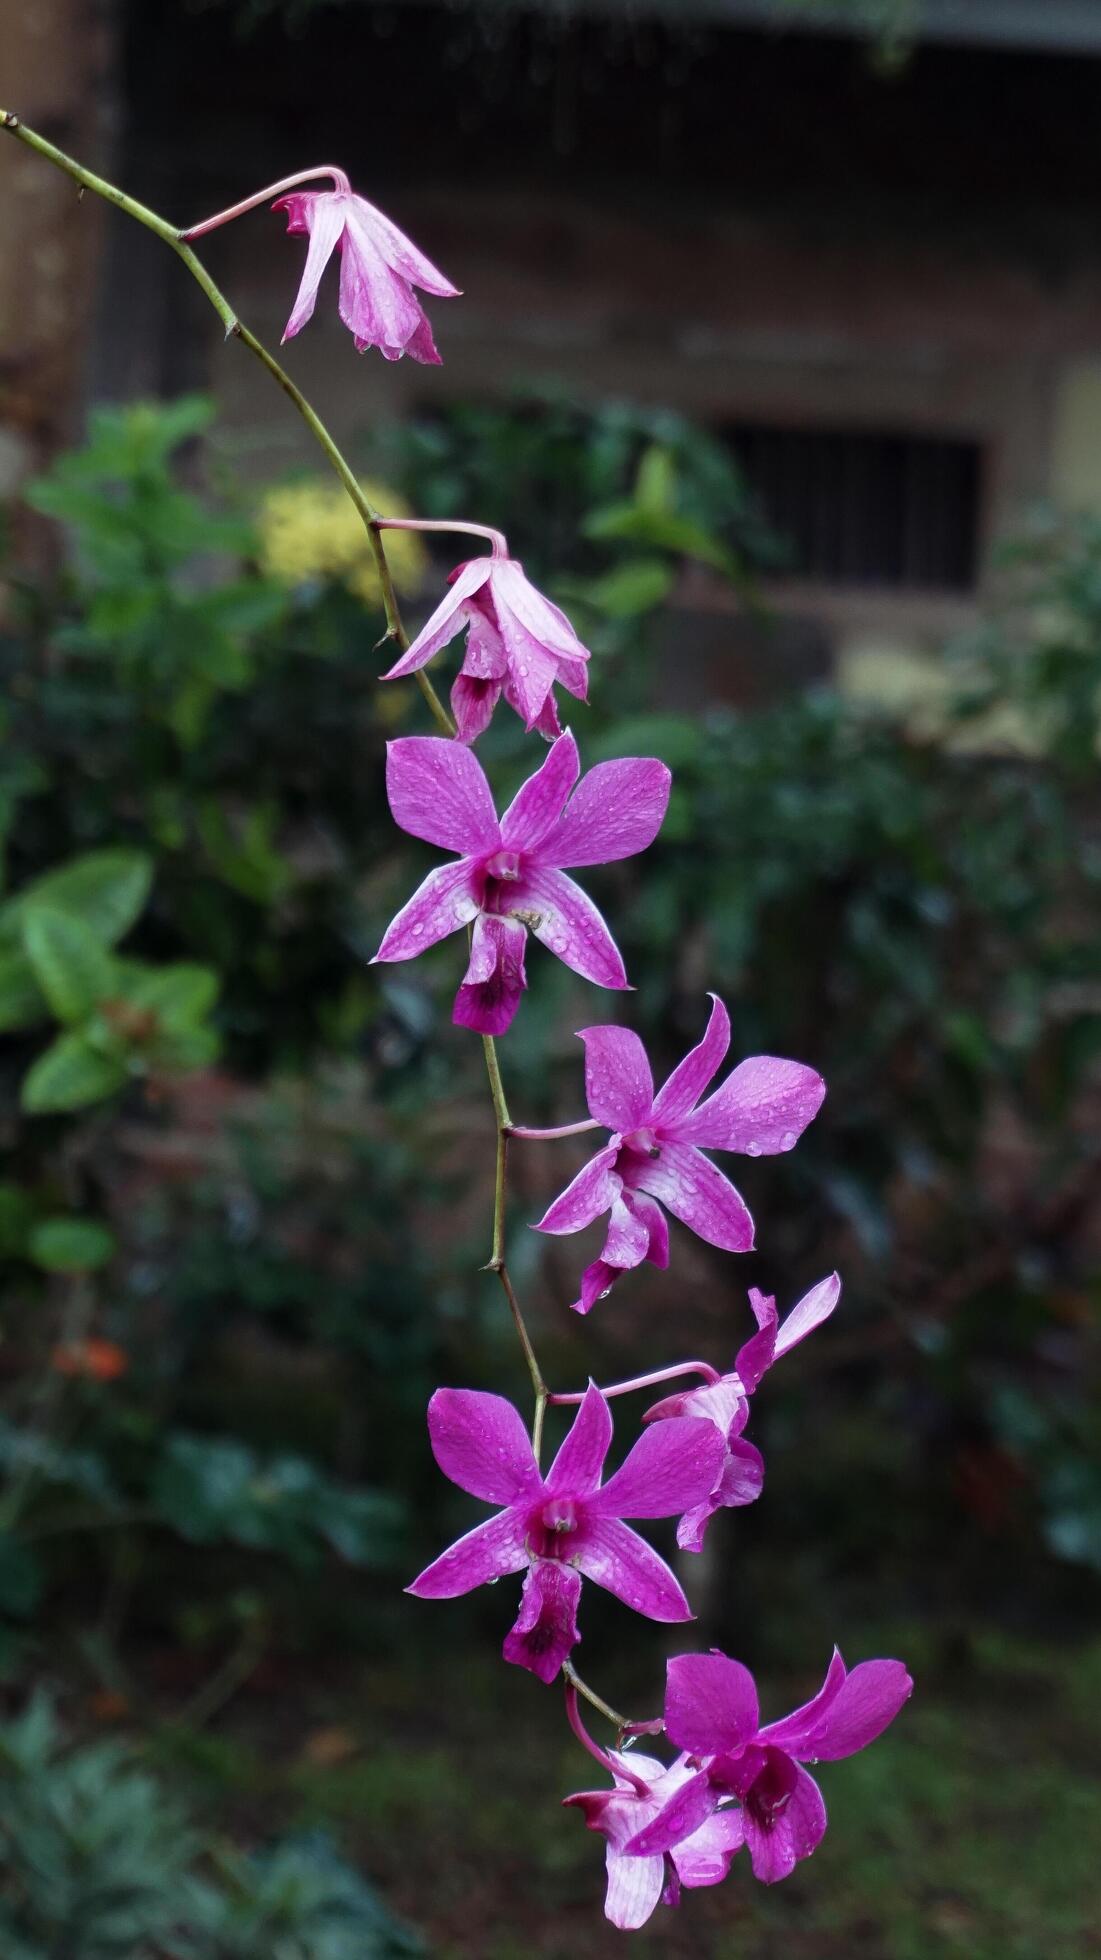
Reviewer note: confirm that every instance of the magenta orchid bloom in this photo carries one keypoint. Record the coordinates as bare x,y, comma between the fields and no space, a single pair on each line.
643,1790
517,644
711,1713
379,267
567,1524
726,1402
511,877
654,1157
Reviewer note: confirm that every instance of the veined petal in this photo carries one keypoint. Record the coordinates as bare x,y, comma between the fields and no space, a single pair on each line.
615,1557
577,1467
705,1858
472,704
656,1223
532,668
672,1465
722,1402
538,803
866,1702
619,1088
762,1108
776,1846
756,1356
375,303
480,1442
567,922
495,977
400,252
591,1192
596,1280
683,1089
437,790
490,1551
683,1815
627,1241
634,1889
448,619
545,1630
711,1704
616,810
814,1307
439,906
793,1730
690,1186
322,214
539,617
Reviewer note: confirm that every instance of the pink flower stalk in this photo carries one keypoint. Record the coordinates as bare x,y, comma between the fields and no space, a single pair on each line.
711,1713
643,1791
726,1402
565,1525
511,878
517,644
379,267
654,1157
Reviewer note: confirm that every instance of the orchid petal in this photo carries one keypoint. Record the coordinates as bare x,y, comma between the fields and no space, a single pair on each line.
472,704
577,1467
597,1281
693,1804
792,1732
814,1307
400,252
671,1466
533,669
545,1630
763,1107
495,977
695,1191
616,810
439,906
569,924
710,1704
590,1193
627,1241
705,1858
863,1706
619,1088
538,803
792,1833
615,1557
480,1442
437,790
722,1402
323,216
491,1551
448,619
756,1356
634,1889
683,1089
537,615
374,302
656,1223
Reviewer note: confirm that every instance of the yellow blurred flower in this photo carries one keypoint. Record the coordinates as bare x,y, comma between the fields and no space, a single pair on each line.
311,530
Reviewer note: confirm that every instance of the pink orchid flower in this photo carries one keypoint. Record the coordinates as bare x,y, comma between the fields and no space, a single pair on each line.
654,1157
511,877
726,1402
517,644
379,267
711,1713
567,1524
643,1790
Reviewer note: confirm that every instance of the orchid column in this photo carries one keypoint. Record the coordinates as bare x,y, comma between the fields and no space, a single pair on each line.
731,1782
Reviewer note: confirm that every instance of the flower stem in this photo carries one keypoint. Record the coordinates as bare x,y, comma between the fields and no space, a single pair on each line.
549,1136
573,1680
497,1255
178,242
496,538
340,184
710,1375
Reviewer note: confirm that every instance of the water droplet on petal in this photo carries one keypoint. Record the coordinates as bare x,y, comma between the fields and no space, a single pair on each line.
753,1149
416,931
789,1140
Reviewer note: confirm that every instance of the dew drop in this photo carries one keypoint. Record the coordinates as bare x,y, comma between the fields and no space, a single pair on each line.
753,1149
416,931
789,1140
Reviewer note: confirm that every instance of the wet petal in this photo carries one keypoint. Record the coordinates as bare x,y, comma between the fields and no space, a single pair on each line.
495,977
322,214
690,1807
591,1192
763,1107
490,1551
705,1857
673,1465
375,302
866,1702
814,1307
545,1630
756,1356
577,1467
437,790
615,1557
619,1088
400,252
538,803
569,924
539,617
695,1191
634,1889
472,704
690,1078
439,906
776,1846
480,1442
448,619
710,1704
616,810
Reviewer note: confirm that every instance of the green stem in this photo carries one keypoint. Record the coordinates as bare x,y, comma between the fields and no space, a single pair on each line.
570,1674
88,180
497,1256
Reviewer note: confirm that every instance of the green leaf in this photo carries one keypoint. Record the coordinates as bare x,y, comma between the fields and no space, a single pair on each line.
16,1213
636,586
105,889
178,995
656,482
70,1075
70,1245
70,964
21,1002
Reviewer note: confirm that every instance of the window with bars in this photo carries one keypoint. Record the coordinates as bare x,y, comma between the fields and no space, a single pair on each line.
860,508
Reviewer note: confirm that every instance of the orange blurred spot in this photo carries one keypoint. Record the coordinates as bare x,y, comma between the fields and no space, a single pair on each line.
99,1361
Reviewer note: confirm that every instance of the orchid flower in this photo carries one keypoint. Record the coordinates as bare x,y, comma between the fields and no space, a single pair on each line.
566,1525
643,1790
379,267
711,1713
517,643
510,877
726,1402
654,1156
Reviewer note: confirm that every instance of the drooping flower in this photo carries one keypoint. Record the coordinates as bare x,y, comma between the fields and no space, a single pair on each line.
643,1789
511,877
655,1157
711,1713
726,1402
379,267
517,644
565,1525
